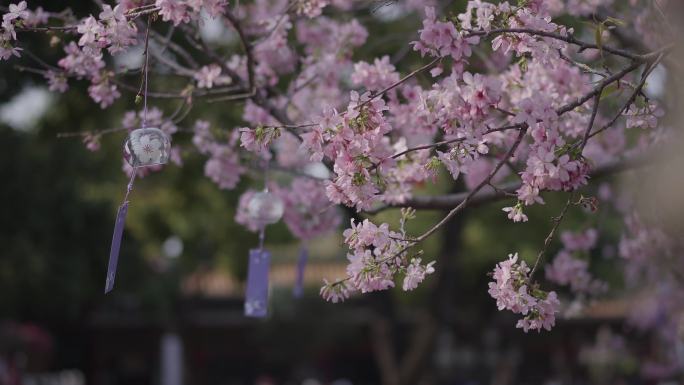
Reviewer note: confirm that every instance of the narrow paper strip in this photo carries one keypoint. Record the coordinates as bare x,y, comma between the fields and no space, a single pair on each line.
116,245
256,295
298,289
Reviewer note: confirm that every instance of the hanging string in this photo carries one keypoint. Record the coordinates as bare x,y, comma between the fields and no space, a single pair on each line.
262,230
262,236
129,188
146,53
145,70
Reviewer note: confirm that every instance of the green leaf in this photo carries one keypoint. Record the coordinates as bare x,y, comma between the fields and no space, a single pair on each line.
599,37
615,22
609,90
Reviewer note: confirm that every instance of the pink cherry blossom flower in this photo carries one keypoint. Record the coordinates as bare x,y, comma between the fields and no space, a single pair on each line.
103,92
57,82
511,291
16,11
210,75
308,213
173,10
415,274
515,213
336,292
375,77
89,29
311,8
223,166
583,241
8,51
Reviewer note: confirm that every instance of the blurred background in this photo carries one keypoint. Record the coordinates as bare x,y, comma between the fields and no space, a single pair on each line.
176,314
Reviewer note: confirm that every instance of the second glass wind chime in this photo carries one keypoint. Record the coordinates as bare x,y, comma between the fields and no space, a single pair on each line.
265,208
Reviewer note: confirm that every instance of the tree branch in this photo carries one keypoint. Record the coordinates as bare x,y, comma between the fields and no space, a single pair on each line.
566,38
441,202
556,223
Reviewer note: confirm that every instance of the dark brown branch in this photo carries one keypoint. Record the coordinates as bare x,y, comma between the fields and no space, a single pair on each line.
246,47
444,142
592,119
599,88
69,28
176,48
441,202
566,38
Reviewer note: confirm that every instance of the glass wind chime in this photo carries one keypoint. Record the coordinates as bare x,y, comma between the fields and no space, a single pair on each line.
264,209
144,147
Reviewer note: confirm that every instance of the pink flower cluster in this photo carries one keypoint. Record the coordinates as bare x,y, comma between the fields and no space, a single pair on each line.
512,291
308,213
568,269
547,171
551,164
111,30
335,292
259,139
533,15
273,54
478,15
311,8
182,11
641,246
376,76
376,255
580,241
644,117
355,141
441,39
16,14
210,75
223,166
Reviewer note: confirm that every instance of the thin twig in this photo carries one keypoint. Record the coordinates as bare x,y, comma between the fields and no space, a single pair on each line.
556,223
399,82
592,119
566,38
246,47
450,141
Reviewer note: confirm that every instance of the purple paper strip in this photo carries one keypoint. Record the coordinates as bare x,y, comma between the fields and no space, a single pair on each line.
298,289
256,295
116,245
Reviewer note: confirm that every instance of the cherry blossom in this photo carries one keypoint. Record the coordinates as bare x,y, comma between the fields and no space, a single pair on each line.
210,75
16,11
512,291
415,273
308,213
516,213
